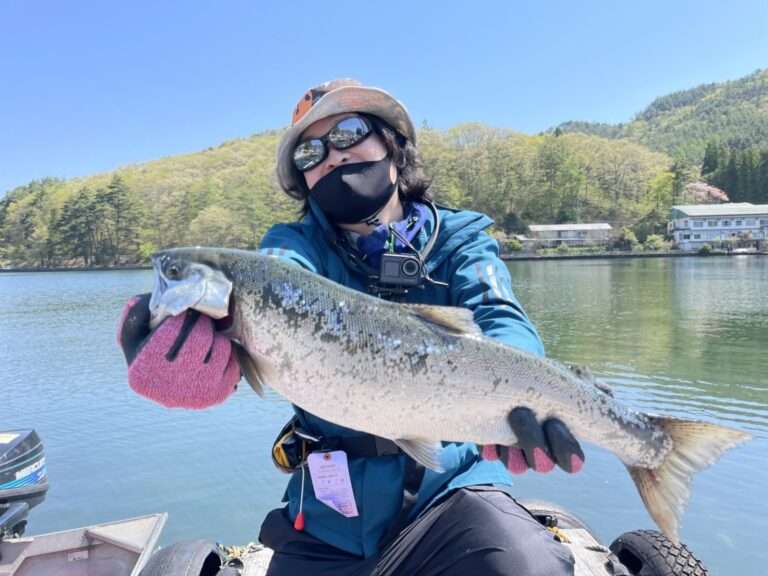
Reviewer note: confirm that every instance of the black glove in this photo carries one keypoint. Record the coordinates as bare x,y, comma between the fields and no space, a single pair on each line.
539,447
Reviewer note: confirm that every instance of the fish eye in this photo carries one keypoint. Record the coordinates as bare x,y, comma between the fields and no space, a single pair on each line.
173,272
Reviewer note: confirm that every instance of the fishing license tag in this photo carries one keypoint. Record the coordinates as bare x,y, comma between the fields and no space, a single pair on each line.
330,478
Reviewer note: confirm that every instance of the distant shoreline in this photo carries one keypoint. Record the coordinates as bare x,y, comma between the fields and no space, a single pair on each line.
509,257
619,255
79,269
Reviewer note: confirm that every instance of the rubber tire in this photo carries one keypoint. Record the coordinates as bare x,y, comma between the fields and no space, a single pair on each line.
565,519
185,558
650,553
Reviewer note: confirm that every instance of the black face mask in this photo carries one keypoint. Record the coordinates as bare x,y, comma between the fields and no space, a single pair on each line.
353,193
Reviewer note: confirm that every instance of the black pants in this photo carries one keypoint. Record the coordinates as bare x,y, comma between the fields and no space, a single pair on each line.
475,530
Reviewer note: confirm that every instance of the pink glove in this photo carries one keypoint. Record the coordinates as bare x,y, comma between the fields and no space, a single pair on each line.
183,363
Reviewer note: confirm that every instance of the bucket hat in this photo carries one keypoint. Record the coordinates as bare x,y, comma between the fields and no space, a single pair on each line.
331,98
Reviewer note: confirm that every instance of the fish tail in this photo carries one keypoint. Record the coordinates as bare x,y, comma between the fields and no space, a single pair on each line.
666,488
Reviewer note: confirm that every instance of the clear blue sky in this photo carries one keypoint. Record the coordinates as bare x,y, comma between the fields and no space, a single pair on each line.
87,86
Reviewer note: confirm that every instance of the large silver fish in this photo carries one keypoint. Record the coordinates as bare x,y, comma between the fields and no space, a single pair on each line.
419,375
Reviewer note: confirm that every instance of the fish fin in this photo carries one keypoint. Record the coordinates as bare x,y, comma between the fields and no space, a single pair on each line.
452,318
257,373
585,374
425,452
603,387
665,489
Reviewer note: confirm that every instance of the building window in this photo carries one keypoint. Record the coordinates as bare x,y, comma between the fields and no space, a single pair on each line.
686,236
685,223
697,236
712,223
763,222
726,223
698,223
738,223
750,221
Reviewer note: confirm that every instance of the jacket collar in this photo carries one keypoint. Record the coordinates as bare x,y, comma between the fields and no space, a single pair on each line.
456,228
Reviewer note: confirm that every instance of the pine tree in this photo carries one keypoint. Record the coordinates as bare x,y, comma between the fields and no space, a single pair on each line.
761,195
729,179
711,158
682,175
748,172
123,218
80,226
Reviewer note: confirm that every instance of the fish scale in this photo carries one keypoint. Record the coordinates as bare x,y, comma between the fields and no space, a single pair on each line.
467,400
419,375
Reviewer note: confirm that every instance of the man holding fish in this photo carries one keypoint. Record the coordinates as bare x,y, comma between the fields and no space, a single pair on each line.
395,500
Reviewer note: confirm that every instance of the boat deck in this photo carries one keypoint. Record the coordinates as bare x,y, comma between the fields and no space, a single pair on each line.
256,561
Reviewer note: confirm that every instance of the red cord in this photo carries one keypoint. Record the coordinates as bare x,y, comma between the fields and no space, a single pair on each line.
298,524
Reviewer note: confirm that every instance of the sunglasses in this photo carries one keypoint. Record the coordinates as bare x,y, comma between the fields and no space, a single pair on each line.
346,133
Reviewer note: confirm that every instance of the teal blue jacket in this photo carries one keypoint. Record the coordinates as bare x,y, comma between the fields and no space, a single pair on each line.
465,257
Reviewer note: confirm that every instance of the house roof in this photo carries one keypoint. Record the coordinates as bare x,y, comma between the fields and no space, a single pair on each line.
732,209
564,227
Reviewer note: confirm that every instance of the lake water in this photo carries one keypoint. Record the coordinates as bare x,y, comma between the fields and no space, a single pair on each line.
684,336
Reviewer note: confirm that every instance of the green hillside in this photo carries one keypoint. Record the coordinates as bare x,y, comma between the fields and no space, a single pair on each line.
681,124
228,195
626,174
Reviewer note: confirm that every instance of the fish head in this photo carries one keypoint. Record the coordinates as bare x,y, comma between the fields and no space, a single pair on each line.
188,278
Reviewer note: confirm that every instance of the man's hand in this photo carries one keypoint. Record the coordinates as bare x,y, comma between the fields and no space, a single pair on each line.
183,363
538,446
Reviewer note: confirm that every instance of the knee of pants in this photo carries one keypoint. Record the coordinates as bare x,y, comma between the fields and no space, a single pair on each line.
516,542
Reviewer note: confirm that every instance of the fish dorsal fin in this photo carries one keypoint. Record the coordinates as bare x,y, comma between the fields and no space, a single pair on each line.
452,318
586,374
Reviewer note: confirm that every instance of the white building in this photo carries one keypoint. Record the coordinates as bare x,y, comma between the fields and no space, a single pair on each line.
571,234
693,226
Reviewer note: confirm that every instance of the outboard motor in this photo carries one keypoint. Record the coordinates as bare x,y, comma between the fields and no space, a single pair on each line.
23,479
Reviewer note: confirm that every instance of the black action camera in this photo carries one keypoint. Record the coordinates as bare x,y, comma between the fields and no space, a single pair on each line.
400,269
